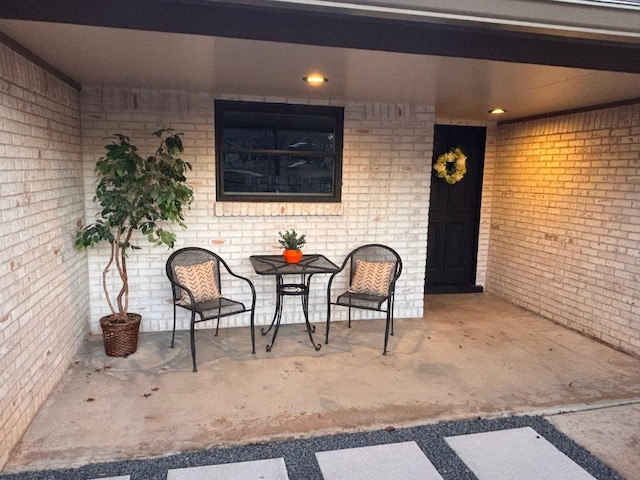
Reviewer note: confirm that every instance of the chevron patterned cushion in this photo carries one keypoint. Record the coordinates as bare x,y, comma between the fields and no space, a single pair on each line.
200,279
371,278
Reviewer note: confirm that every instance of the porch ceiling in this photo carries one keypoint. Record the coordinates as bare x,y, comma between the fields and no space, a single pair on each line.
528,74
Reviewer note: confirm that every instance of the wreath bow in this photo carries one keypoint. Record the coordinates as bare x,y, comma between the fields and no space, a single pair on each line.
452,166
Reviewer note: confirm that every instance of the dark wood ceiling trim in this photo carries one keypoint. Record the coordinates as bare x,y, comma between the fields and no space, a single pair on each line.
332,29
32,57
591,108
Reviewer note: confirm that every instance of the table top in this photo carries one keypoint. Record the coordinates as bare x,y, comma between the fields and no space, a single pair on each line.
276,265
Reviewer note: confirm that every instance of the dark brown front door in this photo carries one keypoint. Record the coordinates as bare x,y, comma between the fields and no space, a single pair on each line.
454,214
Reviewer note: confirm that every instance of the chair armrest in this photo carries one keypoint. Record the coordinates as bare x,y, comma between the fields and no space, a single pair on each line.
176,298
240,277
392,284
334,275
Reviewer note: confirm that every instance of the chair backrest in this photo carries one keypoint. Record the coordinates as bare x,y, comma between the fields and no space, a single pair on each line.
191,256
376,253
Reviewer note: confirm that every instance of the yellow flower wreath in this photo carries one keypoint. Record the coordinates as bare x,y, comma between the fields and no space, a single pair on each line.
451,166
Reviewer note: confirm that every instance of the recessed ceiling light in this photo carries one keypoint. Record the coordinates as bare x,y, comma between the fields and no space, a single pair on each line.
497,111
315,79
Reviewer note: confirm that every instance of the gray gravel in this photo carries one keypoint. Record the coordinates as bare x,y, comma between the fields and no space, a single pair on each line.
301,462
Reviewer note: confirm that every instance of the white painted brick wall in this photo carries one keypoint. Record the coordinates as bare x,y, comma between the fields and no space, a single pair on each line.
385,196
44,309
565,228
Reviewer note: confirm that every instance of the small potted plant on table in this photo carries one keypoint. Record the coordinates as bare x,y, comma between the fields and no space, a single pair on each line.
291,242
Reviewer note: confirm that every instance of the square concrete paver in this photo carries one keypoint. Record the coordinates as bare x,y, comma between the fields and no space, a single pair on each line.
395,461
272,469
515,454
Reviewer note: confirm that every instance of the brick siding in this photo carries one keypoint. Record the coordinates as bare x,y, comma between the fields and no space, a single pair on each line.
565,224
44,307
385,197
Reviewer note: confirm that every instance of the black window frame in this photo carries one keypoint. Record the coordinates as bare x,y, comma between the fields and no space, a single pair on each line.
221,107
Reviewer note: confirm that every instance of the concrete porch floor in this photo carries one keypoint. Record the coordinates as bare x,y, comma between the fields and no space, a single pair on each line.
471,356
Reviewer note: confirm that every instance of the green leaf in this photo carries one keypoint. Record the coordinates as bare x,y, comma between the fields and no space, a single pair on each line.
143,193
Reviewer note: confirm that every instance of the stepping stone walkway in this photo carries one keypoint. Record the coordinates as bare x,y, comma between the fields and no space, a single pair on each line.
512,454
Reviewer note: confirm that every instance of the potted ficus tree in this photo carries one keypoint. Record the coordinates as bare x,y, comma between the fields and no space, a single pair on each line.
135,193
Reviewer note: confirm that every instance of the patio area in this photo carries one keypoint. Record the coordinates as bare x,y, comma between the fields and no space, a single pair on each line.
470,356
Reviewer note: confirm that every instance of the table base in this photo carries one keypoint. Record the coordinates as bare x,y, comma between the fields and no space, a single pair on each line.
291,289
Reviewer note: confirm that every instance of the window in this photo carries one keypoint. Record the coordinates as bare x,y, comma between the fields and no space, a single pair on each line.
278,152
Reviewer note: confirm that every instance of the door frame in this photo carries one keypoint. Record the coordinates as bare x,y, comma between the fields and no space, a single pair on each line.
471,287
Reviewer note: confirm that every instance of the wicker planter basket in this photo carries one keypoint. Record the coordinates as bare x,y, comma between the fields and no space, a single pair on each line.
120,339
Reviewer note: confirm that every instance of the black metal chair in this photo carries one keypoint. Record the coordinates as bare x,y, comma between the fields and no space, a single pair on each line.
373,272
195,275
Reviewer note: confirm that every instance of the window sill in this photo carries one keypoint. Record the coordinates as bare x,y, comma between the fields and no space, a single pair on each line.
276,209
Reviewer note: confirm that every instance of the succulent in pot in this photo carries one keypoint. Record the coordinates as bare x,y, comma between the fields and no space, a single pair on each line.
291,242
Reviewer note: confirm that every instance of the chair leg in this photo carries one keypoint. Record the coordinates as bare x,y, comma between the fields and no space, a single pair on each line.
386,332
326,335
253,335
349,324
217,326
173,335
390,307
193,340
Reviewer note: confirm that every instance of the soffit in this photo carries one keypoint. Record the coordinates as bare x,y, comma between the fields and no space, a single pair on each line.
460,88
